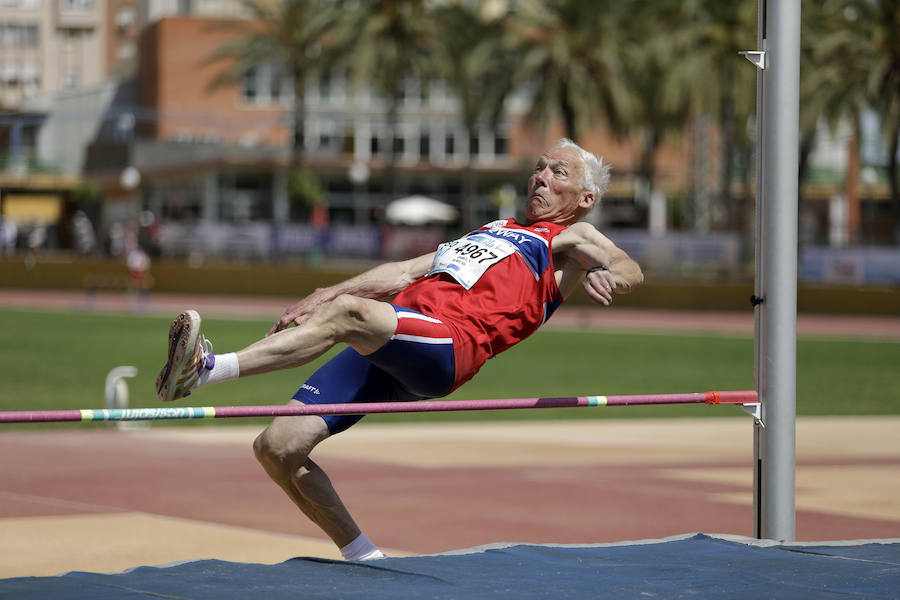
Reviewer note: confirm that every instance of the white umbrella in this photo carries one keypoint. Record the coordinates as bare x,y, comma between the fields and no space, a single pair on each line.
420,210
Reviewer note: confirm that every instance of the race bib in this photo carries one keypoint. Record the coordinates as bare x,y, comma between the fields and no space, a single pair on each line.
468,258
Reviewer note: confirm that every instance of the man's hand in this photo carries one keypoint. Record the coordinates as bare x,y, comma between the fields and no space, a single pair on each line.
377,283
298,313
599,285
581,248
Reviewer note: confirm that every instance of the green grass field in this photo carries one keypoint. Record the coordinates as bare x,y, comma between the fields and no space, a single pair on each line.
59,360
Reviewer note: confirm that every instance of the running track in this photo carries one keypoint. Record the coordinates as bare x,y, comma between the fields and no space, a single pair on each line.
104,500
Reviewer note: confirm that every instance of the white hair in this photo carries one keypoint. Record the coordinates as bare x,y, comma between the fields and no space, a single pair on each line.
595,174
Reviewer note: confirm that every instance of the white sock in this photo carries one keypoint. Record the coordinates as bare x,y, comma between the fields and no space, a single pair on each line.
361,548
225,367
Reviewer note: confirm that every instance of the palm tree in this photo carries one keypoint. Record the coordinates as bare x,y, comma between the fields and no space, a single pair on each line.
649,53
293,35
478,68
569,56
856,58
710,76
384,43
823,93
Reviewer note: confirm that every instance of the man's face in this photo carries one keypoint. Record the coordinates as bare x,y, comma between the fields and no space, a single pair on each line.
554,188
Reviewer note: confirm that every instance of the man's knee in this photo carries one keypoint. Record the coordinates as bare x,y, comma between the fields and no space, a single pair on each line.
351,311
269,453
363,323
283,447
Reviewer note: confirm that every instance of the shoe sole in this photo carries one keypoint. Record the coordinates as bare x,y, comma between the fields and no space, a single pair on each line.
183,334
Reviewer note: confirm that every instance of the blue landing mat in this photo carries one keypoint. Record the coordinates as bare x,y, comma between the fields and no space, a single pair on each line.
692,566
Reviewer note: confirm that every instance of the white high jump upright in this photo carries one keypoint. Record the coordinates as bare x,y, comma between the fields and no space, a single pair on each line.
775,296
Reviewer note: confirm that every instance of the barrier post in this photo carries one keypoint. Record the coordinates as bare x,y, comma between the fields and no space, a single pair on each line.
775,296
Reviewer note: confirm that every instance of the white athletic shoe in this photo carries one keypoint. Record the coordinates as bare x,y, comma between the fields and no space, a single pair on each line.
189,354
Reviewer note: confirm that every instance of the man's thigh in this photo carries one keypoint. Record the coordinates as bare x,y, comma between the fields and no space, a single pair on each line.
415,363
350,378
419,354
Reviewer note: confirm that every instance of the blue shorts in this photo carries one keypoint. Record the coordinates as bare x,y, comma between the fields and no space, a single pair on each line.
415,364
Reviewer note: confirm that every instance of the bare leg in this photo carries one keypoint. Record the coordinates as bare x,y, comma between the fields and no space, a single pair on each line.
364,324
283,450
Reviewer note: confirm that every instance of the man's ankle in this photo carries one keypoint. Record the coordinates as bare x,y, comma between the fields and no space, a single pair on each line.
361,548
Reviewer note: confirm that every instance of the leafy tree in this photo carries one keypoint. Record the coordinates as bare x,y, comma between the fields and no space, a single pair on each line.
479,69
384,43
294,35
854,58
570,60
708,74
648,53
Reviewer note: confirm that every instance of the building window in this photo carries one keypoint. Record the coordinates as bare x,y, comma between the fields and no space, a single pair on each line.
126,51
330,136
424,145
249,86
80,6
31,36
276,84
449,145
473,146
19,36
9,74
245,197
501,143
267,84
125,17
179,202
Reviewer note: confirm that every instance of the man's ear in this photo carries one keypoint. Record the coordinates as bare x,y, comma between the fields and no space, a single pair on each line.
587,200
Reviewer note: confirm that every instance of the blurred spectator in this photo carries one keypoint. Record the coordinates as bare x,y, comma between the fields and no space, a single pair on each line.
9,234
37,238
148,236
138,264
85,241
117,239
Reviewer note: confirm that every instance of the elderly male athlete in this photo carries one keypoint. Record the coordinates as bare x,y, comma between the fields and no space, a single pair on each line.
454,308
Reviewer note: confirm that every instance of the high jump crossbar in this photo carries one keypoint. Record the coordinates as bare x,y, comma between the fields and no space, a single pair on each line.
748,398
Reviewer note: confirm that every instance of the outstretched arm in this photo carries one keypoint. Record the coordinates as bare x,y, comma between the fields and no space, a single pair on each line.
379,282
579,249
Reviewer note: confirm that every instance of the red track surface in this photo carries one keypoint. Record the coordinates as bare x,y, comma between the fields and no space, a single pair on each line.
420,509
417,509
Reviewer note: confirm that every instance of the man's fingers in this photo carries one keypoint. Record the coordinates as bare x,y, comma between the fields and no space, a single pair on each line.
604,279
599,286
598,292
280,324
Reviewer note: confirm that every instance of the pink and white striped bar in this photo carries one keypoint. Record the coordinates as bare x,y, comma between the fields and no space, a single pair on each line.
745,397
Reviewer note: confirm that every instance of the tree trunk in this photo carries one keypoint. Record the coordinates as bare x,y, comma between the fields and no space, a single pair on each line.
807,144
396,96
894,179
647,168
727,166
468,202
647,171
852,189
299,117
568,114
